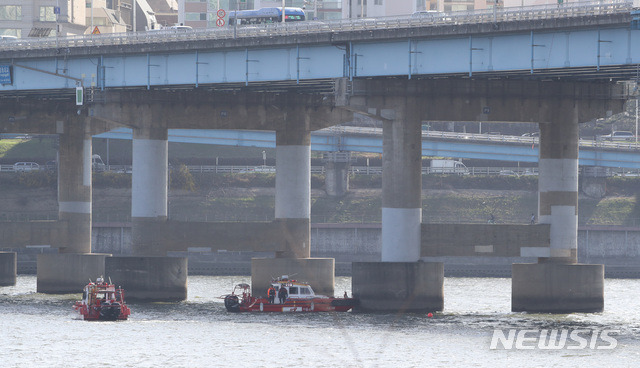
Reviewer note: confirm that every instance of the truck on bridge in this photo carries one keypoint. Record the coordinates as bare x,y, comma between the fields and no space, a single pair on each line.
448,167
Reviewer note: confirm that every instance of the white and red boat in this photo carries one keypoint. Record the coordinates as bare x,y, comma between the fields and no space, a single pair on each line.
300,298
102,301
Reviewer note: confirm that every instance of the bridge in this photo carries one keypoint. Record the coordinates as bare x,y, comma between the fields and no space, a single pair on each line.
614,154
555,66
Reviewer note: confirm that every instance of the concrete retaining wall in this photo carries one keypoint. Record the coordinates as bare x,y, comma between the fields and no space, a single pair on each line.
616,247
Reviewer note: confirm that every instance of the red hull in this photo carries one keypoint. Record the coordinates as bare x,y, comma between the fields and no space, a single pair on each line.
93,313
295,305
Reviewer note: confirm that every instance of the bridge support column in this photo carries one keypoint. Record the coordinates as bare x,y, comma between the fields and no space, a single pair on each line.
556,284
74,185
163,278
293,208
401,225
336,178
68,271
149,188
8,268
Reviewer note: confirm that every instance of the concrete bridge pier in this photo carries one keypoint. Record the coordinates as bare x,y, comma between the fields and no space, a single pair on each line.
293,211
149,274
69,271
557,284
336,178
400,282
8,268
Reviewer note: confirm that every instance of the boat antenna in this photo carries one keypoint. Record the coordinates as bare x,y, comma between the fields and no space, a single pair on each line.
110,280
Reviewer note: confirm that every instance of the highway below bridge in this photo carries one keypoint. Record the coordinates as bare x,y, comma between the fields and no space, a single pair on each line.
613,154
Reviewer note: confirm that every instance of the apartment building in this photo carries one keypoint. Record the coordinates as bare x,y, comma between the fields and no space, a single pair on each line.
42,18
385,8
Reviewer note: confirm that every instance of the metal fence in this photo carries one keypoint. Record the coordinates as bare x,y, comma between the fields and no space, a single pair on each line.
357,170
566,10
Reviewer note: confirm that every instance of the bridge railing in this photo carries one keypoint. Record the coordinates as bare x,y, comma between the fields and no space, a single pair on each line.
428,216
574,9
629,145
360,170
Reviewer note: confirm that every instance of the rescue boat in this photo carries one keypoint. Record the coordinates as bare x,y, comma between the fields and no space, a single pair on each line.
102,301
300,297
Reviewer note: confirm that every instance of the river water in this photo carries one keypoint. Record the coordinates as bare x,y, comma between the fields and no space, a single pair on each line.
38,330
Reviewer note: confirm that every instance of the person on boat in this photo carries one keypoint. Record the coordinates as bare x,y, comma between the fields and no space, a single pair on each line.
271,292
282,294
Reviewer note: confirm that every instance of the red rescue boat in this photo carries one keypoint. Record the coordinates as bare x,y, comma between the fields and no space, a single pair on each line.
299,297
102,301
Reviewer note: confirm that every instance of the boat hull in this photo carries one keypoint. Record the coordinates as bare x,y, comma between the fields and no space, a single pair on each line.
294,305
111,313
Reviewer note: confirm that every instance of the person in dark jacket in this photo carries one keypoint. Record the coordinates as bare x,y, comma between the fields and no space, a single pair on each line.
283,294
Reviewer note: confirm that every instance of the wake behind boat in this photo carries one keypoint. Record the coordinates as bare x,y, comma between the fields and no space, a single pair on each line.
287,296
102,301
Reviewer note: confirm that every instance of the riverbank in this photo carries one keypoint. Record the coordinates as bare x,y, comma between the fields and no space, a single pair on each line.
359,205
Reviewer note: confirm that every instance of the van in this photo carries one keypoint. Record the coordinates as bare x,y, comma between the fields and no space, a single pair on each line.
181,28
25,167
97,164
618,136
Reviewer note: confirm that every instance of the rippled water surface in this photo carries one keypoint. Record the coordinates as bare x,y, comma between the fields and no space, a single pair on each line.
38,330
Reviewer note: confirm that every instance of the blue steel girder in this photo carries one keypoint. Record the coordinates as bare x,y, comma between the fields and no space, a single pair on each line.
533,51
548,52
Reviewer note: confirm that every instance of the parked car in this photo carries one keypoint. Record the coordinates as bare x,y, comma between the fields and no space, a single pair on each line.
51,166
534,134
25,166
508,173
618,136
97,164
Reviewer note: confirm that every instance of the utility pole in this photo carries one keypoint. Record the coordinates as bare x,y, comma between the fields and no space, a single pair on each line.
282,11
92,17
134,3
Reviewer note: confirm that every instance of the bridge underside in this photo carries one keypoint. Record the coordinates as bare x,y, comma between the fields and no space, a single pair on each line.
400,104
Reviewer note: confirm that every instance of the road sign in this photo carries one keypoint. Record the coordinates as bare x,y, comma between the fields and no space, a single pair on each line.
5,74
96,31
220,22
221,13
56,10
79,96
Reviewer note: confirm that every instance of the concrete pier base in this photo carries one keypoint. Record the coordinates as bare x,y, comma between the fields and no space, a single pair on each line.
413,287
336,179
557,288
8,268
68,273
149,278
318,272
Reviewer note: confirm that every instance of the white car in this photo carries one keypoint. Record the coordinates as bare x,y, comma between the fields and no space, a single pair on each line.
25,167
618,136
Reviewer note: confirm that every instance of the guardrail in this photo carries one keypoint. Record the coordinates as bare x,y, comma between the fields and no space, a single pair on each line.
566,10
584,142
358,170
433,217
